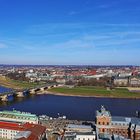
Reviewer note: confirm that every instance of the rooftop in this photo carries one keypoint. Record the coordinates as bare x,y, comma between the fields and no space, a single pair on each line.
31,132
80,133
11,126
27,131
79,126
14,114
133,120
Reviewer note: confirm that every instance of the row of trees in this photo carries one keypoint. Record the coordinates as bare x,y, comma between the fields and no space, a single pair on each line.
105,81
17,76
94,82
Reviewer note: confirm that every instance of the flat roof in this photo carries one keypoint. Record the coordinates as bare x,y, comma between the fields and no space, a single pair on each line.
79,126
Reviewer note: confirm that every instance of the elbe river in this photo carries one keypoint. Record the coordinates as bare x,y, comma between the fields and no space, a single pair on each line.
80,108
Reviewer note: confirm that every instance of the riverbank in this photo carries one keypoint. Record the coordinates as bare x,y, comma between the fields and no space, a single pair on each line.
72,95
15,84
94,92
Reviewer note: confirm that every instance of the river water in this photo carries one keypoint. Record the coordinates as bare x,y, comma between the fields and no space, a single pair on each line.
81,108
3,89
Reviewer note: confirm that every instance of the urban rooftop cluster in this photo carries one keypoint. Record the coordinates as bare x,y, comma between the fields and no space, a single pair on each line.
103,127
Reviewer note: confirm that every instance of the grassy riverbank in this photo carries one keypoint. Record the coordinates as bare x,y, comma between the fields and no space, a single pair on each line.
14,84
95,92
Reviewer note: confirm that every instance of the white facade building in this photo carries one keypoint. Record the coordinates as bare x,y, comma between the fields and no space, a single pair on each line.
85,136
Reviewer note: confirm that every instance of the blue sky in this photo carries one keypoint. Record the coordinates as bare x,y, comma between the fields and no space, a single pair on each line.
91,32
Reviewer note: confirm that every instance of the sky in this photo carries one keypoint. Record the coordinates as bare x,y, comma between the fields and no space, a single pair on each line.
70,32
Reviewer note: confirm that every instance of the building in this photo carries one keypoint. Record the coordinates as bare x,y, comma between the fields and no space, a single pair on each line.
17,116
121,81
110,137
125,74
80,136
97,76
22,131
78,128
135,82
116,125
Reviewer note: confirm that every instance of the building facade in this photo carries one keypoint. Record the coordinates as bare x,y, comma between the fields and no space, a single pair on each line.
119,81
80,136
17,116
135,82
123,126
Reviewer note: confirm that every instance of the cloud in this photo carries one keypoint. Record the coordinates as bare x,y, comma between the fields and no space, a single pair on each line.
104,6
76,36
96,37
57,29
2,45
77,43
112,40
73,13
106,39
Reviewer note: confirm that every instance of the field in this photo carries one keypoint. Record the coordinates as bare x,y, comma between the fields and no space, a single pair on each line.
95,92
14,84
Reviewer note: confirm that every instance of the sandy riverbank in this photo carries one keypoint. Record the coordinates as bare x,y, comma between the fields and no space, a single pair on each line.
73,95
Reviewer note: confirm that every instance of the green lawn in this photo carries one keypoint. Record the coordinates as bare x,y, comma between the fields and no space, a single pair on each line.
14,84
96,91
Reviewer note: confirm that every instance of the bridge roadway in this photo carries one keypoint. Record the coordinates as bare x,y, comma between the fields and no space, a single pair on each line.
21,93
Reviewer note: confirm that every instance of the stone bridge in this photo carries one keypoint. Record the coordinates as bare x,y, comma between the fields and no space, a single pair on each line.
23,93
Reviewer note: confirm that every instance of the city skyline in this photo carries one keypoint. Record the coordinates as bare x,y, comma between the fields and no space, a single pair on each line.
84,32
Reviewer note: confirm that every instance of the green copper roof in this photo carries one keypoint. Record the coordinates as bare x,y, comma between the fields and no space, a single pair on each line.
10,114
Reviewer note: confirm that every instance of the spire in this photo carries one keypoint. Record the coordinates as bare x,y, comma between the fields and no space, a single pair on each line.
103,109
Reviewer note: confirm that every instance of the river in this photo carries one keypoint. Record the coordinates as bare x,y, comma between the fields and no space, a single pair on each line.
81,108
4,89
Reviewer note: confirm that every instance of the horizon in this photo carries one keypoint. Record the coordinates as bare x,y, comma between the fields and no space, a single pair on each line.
81,32
78,65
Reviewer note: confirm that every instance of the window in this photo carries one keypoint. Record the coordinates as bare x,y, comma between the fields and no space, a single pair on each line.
107,123
103,123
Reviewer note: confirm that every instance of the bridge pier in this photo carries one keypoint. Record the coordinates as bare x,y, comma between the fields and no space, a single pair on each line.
32,91
4,98
49,87
42,89
19,94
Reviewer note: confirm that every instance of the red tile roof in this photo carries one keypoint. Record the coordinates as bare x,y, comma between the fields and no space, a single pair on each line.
35,129
11,126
